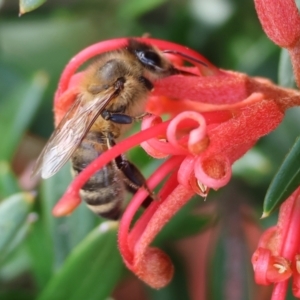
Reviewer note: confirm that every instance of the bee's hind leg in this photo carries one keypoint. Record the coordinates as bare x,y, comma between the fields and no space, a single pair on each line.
133,178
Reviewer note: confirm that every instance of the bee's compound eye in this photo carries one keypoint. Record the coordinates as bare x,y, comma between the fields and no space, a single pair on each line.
149,58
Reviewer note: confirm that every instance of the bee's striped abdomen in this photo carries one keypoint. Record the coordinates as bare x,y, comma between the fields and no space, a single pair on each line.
104,191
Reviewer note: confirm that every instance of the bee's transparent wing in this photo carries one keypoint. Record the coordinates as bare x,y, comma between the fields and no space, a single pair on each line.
69,134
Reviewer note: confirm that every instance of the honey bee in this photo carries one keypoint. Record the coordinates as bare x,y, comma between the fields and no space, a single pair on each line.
113,95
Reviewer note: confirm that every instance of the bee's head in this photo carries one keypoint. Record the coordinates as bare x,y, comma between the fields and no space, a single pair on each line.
152,59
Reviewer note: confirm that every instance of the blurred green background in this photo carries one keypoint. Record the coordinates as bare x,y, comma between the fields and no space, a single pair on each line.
42,257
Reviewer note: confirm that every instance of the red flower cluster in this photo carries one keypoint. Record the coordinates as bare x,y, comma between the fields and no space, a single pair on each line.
277,256
214,117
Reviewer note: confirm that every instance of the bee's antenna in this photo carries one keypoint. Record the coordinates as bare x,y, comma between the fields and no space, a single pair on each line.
186,56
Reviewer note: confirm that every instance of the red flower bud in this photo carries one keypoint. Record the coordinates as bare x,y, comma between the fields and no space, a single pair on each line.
280,20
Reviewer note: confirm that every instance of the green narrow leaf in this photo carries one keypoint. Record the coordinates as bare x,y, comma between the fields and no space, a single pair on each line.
65,232
17,111
14,266
51,191
40,251
13,214
91,271
285,71
29,5
21,234
285,181
8,181
80,223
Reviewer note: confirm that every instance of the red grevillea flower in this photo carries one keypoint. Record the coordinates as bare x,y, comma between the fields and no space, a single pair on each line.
213,118
277,256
